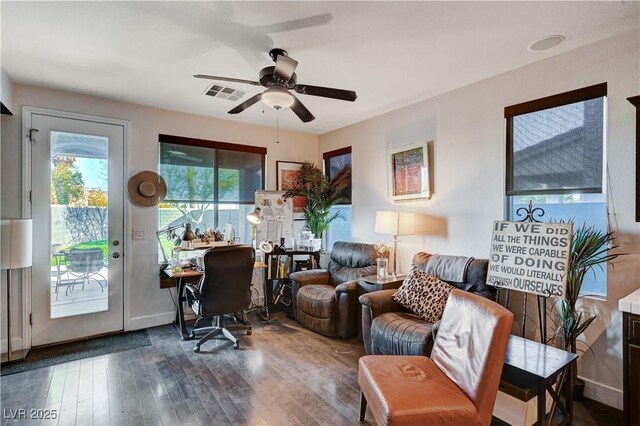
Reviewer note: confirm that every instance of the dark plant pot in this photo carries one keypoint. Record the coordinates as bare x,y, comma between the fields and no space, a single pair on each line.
578,390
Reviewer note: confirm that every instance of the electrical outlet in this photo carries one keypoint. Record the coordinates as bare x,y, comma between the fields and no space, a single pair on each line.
139,234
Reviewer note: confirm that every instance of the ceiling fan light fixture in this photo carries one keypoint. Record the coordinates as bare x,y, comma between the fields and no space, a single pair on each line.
277,98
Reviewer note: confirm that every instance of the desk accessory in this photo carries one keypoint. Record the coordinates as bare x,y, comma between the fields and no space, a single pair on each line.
254,218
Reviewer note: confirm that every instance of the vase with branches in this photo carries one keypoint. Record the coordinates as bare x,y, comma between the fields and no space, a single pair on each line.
321,193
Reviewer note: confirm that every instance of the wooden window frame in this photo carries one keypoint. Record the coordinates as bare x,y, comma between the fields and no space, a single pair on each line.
548,102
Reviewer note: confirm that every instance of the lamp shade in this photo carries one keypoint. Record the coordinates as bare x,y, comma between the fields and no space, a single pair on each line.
254,217
188,234
395,223
17,237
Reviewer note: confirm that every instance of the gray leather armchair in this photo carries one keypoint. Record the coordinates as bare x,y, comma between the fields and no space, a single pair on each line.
326,301
388,328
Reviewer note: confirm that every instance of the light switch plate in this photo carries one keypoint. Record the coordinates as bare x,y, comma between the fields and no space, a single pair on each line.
139,234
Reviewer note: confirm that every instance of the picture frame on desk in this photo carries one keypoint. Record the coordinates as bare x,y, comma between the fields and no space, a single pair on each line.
287,173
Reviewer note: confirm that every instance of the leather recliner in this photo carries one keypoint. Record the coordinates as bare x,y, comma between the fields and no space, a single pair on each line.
326,301
388,328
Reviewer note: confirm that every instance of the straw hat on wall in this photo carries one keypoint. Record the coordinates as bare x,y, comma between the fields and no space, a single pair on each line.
147,189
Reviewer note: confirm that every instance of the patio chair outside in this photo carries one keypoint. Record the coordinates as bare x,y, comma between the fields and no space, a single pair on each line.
85,265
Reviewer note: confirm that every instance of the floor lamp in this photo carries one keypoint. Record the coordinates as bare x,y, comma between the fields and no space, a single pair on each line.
396,224
16,253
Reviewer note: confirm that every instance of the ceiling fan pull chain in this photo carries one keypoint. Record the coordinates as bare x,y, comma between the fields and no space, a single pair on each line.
277,126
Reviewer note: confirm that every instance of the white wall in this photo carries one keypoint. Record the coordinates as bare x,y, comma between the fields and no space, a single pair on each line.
468,128
149,304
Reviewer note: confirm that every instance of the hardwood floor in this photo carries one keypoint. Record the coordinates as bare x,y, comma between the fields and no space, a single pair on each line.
283,374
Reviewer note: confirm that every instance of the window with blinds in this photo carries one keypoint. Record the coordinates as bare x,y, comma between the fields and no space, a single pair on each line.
209,184
555,159
555,144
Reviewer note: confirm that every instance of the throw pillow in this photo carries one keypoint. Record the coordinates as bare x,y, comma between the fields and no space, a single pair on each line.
423,294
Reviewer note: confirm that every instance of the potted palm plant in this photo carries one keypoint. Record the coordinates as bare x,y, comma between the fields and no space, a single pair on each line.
321,193
590,248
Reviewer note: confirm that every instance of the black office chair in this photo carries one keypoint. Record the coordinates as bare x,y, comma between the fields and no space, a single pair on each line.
223,289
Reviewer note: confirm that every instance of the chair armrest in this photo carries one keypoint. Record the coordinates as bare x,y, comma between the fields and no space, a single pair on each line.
314,276
193,290
380,302
347,287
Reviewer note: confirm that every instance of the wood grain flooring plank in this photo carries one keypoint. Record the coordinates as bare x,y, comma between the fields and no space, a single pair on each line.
183,412
165,410
69,405
84,414
85,385
100,392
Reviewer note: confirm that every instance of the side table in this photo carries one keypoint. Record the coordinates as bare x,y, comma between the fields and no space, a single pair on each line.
530,368
373,283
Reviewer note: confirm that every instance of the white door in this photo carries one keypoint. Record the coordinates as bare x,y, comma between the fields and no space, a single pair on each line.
77,209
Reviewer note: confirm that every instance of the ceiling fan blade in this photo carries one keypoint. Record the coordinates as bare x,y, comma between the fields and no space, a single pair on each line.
285,66
246,104
233,80
301,111
326,92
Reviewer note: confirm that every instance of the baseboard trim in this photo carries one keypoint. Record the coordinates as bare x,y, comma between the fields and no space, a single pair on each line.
147,321
603,393
16,345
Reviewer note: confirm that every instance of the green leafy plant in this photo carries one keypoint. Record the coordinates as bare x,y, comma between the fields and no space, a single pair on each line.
321,194
590,248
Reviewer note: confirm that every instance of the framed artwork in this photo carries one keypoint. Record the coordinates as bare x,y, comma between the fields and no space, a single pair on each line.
408,172
287,173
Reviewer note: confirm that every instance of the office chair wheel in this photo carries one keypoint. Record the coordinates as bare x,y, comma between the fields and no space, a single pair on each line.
236,345
192,336
196,349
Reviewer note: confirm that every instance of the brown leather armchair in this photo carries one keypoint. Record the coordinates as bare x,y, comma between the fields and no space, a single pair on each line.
326,301
388,328
458,385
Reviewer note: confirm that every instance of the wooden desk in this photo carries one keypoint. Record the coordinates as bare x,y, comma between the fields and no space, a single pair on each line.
179,321
180,278
532,366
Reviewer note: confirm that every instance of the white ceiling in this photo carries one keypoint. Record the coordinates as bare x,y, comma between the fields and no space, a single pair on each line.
391,53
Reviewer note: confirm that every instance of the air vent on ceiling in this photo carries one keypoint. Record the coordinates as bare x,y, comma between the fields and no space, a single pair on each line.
223,92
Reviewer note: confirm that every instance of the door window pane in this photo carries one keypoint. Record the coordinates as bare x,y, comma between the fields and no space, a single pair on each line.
79,224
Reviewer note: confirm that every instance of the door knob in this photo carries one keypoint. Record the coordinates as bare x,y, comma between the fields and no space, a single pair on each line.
115,255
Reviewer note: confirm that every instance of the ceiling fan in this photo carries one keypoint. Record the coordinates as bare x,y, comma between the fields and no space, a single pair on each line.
279,81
